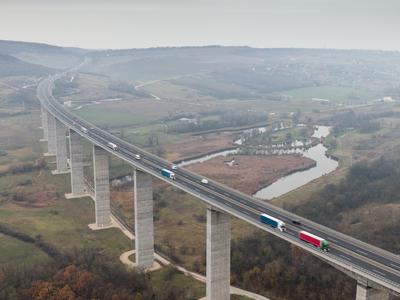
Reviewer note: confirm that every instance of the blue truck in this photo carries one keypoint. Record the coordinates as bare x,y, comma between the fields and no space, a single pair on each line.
273,222
167,173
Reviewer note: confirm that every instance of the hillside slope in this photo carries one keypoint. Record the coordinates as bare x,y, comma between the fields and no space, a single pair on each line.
42,54
11,66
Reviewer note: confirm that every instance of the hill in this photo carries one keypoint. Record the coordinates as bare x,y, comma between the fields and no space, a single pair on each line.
11,66
42,54
14,47
249,73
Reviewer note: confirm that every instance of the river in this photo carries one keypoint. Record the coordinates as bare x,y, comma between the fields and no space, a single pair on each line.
324,165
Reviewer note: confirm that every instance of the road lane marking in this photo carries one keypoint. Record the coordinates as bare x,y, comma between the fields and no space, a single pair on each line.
345,257
380,273
394,265
362,252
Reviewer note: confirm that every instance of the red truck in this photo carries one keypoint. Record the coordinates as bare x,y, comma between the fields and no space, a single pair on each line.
314,240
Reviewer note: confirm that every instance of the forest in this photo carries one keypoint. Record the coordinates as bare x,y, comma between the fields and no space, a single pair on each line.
276,272
84,274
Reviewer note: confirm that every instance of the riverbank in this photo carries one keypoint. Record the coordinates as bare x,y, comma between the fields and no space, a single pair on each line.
232,129
203,155
324,165
250,173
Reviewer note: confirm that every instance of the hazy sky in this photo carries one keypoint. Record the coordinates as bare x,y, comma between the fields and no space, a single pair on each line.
362,24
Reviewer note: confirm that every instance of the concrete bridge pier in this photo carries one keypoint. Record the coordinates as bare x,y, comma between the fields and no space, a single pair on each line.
364,292
76,164
61,149
44,123
218,255
144,228
51,135
101,164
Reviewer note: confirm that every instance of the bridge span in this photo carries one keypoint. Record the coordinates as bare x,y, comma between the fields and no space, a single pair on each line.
377,271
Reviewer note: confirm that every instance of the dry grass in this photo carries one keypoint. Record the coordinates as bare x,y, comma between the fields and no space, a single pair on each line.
91,87
251,173
194,145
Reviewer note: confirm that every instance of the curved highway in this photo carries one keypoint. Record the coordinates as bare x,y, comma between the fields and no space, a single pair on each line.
357,257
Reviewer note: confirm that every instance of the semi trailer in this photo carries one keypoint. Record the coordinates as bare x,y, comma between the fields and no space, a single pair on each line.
167,173
273,222
314,240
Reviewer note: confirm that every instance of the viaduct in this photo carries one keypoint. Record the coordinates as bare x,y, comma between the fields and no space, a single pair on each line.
377,271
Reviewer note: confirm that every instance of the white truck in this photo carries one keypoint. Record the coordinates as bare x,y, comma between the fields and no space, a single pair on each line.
167,173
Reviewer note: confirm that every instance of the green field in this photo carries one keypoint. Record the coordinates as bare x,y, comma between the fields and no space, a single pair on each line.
140,135
100,116
335,94
14,251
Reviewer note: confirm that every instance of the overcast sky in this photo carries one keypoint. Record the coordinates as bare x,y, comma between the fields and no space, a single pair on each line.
361,24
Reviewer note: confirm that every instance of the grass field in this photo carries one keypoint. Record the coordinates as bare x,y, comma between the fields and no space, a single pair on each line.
14,251
54,218
140,135
47,214
335,94
101,115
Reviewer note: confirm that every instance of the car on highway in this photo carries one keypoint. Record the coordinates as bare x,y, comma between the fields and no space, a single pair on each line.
84,129
296,222
174,167
204,181
112,146
137,156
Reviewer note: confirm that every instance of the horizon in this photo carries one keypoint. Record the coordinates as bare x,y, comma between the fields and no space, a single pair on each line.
133,24
195,46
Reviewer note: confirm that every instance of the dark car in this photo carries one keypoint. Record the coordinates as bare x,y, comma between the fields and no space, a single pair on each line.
296,222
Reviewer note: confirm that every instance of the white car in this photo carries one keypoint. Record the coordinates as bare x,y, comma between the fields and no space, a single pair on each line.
174,167
137,156
205,181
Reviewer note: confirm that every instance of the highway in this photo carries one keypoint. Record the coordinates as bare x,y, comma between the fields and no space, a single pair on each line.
353,255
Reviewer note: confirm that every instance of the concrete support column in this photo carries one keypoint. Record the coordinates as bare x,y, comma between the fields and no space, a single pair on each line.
44,123
51,134
218,255
144,228
101,162
76,163
61,148
365,292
